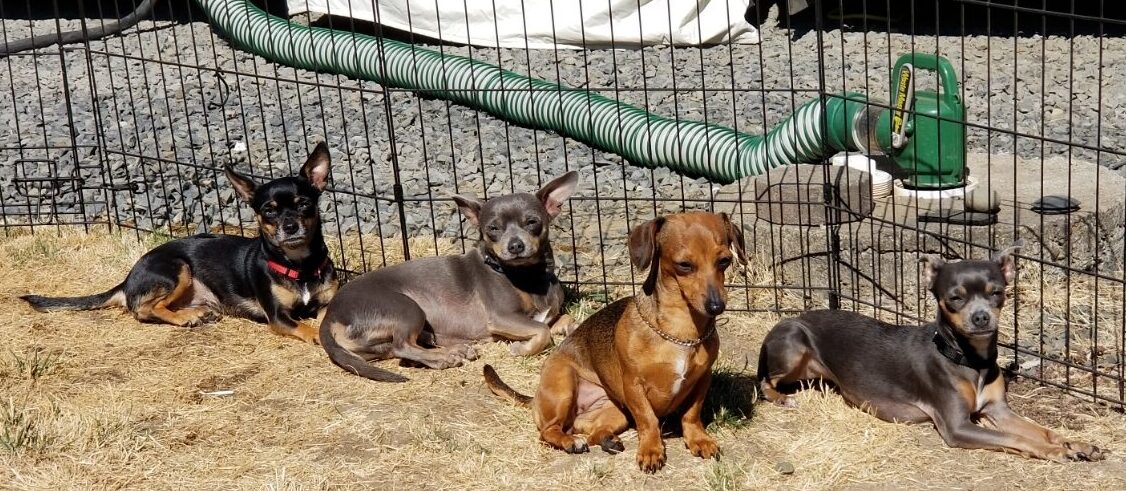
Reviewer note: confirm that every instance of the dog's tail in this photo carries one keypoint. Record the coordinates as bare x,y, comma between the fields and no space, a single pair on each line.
498,387
349,361
114,297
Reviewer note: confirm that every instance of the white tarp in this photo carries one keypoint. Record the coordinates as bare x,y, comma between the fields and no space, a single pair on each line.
545,24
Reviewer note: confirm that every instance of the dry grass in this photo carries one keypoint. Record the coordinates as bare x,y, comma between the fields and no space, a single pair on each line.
97,400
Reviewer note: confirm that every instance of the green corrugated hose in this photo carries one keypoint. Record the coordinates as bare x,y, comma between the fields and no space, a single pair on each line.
688,147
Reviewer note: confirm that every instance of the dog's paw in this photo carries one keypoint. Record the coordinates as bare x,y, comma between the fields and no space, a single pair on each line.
704,447
465,351
578,445
205,317
565,325
532,346
307,333
785,401
452,360
612,445
1079,451
651,458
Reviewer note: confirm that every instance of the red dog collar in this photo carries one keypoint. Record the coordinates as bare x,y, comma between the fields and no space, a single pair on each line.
295,274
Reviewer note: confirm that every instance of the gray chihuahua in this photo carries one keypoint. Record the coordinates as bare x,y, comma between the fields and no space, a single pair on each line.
428,311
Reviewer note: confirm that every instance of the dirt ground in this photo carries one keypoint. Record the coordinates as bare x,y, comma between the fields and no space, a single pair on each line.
97,400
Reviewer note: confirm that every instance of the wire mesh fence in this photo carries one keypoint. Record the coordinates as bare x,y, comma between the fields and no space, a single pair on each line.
131,130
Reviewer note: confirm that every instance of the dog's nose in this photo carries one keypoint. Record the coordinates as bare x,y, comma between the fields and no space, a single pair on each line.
980,319
714,306
290,227
515,246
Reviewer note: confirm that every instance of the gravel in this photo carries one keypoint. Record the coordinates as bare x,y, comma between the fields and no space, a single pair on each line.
162,126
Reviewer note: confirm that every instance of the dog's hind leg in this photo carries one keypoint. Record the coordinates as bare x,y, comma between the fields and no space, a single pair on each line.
602,425
161,298
555,403
786,356
354,356
402,318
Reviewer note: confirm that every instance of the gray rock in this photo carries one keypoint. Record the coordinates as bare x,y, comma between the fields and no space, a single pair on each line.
796,195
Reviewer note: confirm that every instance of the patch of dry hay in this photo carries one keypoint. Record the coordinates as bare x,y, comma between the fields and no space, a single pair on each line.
102,401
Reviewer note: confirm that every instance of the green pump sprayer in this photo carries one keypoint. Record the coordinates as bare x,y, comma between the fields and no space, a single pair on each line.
922,132
927,136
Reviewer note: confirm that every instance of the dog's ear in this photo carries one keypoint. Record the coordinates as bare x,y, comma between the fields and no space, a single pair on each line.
1007,260
643,242
556,192
932,263
244,187
470,207
735,239
316,168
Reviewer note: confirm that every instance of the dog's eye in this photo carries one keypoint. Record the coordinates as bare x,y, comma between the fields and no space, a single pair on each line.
954,299
723,263
269,211
998,293
685,267
493,228
532,222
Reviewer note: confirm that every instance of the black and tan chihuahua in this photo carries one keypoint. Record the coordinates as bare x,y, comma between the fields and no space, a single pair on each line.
945,373
281,277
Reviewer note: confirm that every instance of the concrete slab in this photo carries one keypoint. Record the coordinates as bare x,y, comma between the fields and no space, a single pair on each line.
1090,239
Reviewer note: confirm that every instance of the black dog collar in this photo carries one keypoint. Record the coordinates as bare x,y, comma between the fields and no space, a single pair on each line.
951,352
493,264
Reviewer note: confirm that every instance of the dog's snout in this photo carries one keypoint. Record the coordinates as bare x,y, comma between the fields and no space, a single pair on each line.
290,226
980,319
516,247
714,305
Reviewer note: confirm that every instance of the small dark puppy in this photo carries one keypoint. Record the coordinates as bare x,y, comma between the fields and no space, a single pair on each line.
280,277
505,289
945,372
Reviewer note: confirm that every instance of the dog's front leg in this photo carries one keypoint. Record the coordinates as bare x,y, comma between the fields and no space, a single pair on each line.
696,438
958,431
997,414
283,324
650,448
1002,418
530,336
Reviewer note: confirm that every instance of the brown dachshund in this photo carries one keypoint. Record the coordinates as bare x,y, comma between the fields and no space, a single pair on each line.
644,357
